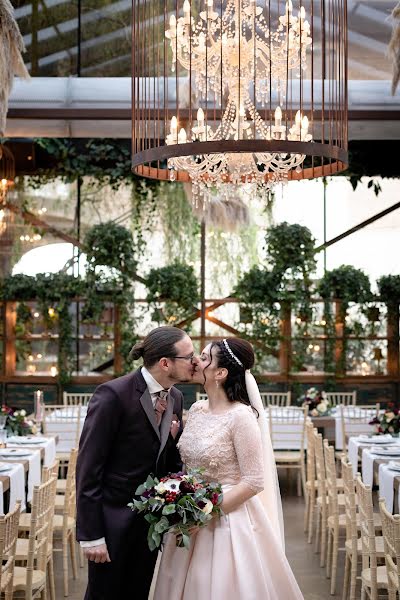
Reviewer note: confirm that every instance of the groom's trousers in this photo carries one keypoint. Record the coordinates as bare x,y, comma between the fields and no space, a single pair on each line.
128,576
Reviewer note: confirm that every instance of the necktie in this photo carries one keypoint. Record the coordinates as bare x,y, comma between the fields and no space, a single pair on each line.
160,405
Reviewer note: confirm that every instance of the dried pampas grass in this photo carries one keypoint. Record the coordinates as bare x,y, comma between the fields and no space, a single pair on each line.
394,48
228,215
11,62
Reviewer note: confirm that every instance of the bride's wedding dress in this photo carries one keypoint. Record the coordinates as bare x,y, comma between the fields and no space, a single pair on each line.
238,556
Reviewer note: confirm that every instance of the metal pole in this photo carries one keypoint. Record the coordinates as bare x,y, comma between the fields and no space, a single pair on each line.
325,184
78,253
79,36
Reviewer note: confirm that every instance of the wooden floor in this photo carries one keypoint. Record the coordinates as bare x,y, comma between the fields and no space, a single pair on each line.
304,562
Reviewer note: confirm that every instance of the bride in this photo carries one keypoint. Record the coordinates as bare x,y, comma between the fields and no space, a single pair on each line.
239,556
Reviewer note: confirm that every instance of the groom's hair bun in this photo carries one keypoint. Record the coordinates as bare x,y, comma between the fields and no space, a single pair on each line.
159,343
136,352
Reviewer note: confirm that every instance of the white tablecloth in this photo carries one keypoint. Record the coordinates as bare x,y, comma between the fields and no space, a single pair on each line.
49,447
353,445
64,421
282,440
353,428
386,485
17,485
34,469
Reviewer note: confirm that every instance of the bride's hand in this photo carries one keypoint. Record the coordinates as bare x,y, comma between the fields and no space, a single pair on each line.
174,428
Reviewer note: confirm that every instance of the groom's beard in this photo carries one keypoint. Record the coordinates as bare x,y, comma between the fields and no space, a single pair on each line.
175,377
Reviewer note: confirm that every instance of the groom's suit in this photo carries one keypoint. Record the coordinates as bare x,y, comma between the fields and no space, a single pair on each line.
120,445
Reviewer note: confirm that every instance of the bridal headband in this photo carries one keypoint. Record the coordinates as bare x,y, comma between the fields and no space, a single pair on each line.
225,342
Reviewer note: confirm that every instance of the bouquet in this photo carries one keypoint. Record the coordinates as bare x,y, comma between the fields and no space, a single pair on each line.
176,504
16,423
317,402
388,422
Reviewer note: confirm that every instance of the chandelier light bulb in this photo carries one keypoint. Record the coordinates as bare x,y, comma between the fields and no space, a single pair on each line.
182,136
289,6
302,13
298,118
200,117
278,116
174,125
304,123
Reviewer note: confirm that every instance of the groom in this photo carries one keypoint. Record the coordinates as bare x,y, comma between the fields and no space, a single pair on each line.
129,432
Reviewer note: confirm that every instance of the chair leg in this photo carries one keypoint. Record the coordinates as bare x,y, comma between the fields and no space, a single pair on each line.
323,538
329,554
317,533
50,571
353,576
311,519
335,552
299,482
73,555
346,579
307,511
65,563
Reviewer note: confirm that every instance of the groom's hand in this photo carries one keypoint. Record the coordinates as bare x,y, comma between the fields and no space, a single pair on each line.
97,554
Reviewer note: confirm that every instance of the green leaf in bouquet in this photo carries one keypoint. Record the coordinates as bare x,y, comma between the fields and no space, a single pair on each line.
186,540
150,518
162,525
138,504
169,509
140,490
156,538
151,482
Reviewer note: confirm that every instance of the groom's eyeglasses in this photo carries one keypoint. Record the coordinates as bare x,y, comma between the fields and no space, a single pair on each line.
188,357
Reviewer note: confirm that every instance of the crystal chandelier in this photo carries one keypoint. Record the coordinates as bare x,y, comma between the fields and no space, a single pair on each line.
211,48
236,92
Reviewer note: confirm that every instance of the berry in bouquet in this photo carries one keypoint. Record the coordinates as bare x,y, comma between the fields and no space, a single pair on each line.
177,504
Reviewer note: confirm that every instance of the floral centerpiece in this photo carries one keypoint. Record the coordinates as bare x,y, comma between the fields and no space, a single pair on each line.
317,402
177,504
16,422
388,422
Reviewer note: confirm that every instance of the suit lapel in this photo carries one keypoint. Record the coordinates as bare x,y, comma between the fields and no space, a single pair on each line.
166,423
145,401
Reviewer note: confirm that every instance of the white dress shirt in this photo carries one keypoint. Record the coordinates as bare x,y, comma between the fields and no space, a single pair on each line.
154,388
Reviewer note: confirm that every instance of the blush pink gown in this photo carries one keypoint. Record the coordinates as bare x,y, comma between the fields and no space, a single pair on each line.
237,556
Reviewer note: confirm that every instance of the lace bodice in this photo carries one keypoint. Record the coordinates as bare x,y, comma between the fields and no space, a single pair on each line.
227,446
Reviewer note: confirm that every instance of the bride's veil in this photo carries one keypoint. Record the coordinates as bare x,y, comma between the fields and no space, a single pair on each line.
271,496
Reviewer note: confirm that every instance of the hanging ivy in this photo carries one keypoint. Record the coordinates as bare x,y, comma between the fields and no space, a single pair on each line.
346,283
175,286
389,288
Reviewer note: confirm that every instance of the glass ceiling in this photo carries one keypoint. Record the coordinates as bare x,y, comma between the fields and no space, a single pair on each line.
98,44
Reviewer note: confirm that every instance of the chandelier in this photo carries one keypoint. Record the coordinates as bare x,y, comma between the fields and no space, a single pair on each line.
238,92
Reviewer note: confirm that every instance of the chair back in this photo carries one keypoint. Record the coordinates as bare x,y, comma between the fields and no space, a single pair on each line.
355,421
331,480
391,540
287,425
310,464
8,544
320,467
276,398
201,396
342,398
69,509
367,529
350,504
41,527
52,471
73,399
66,422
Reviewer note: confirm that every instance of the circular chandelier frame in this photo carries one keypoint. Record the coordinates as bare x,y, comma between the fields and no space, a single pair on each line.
239,91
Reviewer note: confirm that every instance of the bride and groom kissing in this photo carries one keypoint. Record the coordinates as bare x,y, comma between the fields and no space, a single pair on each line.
133,428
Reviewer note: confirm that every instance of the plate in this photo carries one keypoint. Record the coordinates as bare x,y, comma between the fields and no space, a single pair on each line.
5,467
376,439
394,466
14,452
387,451
27,440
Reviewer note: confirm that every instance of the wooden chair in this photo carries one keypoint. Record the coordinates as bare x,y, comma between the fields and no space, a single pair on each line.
201,396
311,483
355,420
287,430
353,544
373,577
76,399
342,398
276,398
30,580
391,537
333,527
52,471
65,523
65,421
8,542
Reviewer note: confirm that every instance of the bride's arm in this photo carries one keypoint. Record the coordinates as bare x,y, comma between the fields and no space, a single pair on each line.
248,447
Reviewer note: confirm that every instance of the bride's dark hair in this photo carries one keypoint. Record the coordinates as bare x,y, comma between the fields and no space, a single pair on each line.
235,384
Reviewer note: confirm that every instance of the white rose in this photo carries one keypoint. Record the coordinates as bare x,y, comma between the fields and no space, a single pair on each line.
160,488
16,413
22,413
322,406
159,498
208,507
